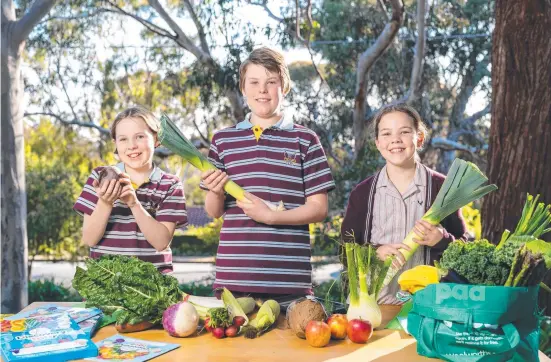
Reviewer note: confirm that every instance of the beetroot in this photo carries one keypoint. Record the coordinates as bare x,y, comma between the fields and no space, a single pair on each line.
108,173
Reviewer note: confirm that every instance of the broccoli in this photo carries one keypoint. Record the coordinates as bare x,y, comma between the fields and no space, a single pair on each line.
476,262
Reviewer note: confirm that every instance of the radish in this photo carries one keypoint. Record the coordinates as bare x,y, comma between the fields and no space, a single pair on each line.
238,321
180,319
218,332
231,331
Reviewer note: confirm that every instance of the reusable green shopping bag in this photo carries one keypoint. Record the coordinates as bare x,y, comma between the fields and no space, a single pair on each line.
467,323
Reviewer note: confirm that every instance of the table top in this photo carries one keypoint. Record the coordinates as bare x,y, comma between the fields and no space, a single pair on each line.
280,344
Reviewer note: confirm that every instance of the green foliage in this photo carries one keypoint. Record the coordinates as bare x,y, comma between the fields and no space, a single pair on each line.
200,288
545,335
132,289
325,236
208,234
49,291
475,261
57,163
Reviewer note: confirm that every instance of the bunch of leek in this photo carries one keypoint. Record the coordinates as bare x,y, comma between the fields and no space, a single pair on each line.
463,185
171,137
366,274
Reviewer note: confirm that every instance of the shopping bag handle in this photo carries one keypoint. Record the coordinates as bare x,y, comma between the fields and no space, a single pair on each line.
511,332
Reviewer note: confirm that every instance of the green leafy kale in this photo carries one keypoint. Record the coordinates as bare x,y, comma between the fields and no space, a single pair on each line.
475,261
130,289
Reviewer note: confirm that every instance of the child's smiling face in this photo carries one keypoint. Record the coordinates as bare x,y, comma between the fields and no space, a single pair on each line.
263,90
398,139
135,143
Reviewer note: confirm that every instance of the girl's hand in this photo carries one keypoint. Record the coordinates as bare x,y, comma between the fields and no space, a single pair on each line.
128,194
109,191
215,180
386,250
428,234
255,208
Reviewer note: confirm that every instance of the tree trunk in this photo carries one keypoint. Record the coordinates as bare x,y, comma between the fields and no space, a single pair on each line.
520,132
14,198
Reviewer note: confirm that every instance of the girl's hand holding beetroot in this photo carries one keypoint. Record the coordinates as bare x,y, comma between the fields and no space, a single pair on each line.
108,191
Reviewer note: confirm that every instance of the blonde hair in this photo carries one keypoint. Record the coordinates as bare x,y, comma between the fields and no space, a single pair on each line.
415,117
136,112
269,59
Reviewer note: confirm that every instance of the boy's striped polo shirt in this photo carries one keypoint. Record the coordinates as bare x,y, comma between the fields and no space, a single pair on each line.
286,163
162,196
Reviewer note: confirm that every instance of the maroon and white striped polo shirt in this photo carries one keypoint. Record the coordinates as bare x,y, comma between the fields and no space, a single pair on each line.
162,196
287,164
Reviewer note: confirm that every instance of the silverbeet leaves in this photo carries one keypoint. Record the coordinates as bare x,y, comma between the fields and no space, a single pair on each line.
131,290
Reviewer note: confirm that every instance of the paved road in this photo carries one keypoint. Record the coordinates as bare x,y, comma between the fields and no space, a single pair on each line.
63,272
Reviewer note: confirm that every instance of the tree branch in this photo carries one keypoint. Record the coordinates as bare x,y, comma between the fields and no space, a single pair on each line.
26,24
181,38
450,145
264,5
469,121
101,129
365,62
65,89
417,70
297,21
148,25
8,11
199,26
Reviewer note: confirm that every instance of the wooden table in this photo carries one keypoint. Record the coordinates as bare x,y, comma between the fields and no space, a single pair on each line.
281,345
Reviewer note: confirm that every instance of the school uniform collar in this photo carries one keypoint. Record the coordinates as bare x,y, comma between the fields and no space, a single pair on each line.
155,175
285,123
419,179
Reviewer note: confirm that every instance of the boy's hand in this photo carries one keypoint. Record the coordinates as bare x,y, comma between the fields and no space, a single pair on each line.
128,194
215,180
427,234
109,191
386,250
255,208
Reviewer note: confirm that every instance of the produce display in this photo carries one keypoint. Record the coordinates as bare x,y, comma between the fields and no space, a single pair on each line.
139,297
301,312
520,258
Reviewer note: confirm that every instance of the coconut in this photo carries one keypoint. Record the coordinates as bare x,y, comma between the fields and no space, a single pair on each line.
108,173
302,311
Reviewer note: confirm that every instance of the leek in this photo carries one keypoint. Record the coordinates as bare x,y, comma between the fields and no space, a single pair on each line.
363,265
172,138
463,185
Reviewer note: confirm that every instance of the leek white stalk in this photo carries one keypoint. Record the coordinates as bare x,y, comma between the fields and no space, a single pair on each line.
463,185
171,137
363,265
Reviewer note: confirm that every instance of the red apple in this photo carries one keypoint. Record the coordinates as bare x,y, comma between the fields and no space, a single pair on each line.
338,324
317,333
359,330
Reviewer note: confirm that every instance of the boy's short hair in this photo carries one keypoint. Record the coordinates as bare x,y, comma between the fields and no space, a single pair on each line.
270,59
136,112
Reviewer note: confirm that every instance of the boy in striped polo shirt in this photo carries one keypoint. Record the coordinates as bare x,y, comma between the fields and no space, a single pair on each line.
137,214
264,252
